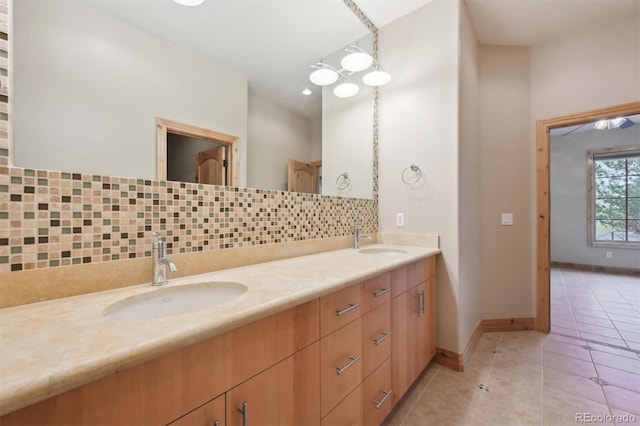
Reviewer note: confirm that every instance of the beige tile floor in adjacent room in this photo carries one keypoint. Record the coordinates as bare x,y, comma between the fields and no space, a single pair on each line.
528,378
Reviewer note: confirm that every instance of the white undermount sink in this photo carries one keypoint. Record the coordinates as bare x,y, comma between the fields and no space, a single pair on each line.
382,251
169,301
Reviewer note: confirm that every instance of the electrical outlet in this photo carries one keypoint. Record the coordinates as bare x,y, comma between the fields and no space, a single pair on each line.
399,219
608,255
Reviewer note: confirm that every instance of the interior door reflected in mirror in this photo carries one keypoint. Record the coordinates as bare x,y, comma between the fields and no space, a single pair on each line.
304,177
189,153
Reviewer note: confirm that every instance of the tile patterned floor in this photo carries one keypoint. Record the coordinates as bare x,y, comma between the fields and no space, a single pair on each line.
586,371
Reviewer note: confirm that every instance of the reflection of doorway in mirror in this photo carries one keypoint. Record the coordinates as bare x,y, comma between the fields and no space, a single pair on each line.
304,177
193,154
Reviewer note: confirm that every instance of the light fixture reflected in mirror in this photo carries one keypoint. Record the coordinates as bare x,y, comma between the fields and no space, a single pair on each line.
189,2
324,74
346,89
612,123
356,61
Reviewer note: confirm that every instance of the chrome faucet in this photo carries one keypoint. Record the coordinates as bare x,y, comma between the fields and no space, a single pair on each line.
357,228
160,260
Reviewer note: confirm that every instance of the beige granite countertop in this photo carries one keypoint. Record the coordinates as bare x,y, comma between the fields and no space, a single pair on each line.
50,347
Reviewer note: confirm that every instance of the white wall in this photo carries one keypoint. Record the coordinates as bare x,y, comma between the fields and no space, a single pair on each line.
347,142
507,177
418,122
275,135
569,198
597,68
63,120
469,195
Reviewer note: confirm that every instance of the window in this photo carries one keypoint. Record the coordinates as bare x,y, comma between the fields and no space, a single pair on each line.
614,197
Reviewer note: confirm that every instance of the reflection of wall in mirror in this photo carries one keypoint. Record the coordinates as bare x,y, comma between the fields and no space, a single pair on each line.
276,135
347,135
90,87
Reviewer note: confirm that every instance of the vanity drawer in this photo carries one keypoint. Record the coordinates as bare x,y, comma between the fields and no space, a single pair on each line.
340,364
376,337
376,291
340,308
377,398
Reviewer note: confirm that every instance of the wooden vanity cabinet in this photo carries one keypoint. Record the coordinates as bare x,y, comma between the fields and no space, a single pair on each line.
412,323
168,387
343,359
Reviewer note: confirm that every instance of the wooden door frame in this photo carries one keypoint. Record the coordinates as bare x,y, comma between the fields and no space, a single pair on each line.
165,126
543,168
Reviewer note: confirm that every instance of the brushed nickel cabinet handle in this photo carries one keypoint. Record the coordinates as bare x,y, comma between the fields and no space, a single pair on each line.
350,308
244,410
422,301
216,423
349,364
384,337
381,292
378,404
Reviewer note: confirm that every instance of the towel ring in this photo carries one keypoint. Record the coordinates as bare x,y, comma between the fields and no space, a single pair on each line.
343,181
414,168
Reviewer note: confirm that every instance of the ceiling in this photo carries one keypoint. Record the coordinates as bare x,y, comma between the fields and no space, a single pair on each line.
515,22
245,45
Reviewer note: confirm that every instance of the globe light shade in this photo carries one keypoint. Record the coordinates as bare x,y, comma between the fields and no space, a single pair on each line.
376,78
189,2
323,77
346,90
357,61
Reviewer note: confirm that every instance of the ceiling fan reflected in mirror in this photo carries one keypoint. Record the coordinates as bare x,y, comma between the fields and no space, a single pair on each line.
604,124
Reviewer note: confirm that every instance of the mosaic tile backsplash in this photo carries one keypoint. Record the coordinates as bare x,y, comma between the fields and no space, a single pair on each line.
51,219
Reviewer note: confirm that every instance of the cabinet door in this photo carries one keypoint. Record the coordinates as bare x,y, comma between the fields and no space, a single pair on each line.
210,414
348,412
285,394
377,395
404,347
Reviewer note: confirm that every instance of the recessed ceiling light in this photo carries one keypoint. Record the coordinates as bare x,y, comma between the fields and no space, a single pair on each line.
306,92
189,2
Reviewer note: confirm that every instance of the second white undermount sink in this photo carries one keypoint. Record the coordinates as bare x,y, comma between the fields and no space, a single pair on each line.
382,251
177,300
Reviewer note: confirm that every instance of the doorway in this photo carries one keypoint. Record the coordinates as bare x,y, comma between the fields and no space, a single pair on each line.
543,167
189,153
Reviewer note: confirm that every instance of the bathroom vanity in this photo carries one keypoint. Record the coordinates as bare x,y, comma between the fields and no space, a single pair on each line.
329,339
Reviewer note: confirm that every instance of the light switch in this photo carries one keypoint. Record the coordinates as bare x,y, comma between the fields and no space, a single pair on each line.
507,219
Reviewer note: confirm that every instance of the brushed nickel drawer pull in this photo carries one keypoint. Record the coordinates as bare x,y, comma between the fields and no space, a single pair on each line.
378,404
381,292
351,307
244,410
384,337
422,301
349,364
216,423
